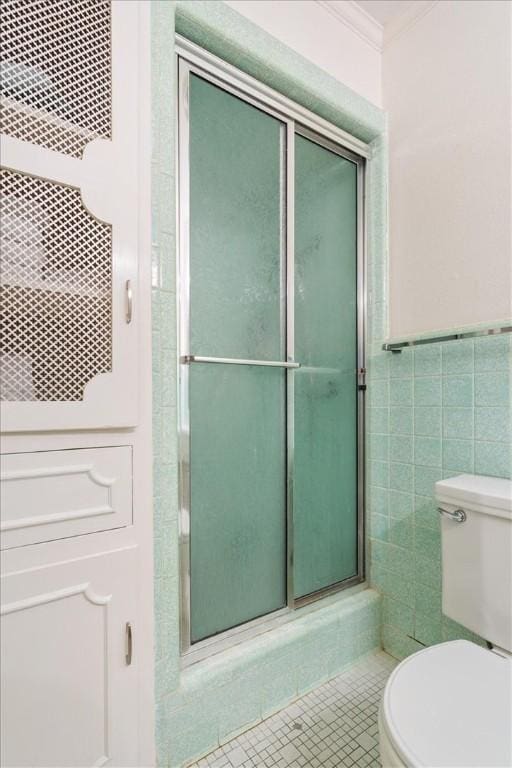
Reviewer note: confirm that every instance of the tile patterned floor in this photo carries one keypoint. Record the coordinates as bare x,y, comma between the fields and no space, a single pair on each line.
333,725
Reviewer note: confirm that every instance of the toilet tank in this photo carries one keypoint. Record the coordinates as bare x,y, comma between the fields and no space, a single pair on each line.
477,554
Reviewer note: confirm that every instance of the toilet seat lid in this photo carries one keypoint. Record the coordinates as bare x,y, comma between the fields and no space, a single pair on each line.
451,705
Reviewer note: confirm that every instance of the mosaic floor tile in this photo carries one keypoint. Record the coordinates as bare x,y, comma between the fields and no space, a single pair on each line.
333,726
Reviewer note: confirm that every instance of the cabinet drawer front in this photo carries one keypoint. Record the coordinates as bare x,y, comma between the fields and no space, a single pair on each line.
56,494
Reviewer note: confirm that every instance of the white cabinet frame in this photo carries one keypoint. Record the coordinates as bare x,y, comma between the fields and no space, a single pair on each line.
108,179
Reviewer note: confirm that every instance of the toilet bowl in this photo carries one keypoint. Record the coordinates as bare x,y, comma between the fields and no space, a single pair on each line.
448,706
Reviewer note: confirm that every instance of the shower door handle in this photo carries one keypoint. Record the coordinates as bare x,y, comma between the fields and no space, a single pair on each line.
237,361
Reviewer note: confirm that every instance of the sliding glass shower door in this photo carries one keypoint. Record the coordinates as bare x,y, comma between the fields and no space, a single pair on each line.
237,410
269,406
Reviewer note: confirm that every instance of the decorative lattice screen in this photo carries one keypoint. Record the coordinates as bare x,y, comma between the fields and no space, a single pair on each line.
56,291
56,72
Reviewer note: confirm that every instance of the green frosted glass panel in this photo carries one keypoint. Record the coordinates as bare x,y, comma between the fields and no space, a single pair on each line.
238,485
237,413
236,280
325,474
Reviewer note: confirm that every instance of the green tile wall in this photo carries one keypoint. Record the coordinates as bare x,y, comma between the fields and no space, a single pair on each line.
435,411
199,707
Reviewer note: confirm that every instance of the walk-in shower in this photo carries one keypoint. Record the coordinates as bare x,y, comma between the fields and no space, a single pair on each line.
271,352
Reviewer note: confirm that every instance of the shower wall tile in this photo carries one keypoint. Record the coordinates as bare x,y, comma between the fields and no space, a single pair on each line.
458,421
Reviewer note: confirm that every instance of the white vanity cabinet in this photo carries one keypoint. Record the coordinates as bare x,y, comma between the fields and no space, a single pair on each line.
69,687
75,381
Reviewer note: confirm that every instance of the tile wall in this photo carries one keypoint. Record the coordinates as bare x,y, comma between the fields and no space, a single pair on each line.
436,411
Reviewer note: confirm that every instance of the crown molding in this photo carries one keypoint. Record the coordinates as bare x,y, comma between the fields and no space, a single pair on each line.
406,19
350,13
357,20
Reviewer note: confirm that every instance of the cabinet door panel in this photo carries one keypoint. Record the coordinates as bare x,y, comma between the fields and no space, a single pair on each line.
69,230
68,697
49,495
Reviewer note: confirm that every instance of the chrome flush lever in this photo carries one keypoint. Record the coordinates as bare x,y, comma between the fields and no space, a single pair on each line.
458,516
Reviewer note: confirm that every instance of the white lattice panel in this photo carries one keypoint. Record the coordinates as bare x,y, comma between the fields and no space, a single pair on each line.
56,78
56,293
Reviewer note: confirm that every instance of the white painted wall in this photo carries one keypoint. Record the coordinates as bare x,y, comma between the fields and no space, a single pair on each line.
320,35
447,87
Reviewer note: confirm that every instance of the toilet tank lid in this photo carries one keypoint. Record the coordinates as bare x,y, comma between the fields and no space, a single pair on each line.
491,495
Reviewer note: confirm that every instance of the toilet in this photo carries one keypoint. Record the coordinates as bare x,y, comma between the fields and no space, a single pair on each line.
451,704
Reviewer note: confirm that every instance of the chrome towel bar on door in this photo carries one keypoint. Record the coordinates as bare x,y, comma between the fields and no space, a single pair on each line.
237,361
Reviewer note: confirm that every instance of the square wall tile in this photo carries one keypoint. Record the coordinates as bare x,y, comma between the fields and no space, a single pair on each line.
398,615
401,448
493,353
493,424
493,389
428,629
379,447
378,365
425,512
427,421
400,391
378,420
458,455
401,533
400,364
427,542
378,393
425,479
494,459
458,356
379,526
427,600
400,420
401,477
427,572
427,360
379,474
400,505
458,422
427,451
458,390
379,500
427,390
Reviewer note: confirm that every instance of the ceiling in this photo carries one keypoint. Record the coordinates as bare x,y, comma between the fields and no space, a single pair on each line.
384,11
